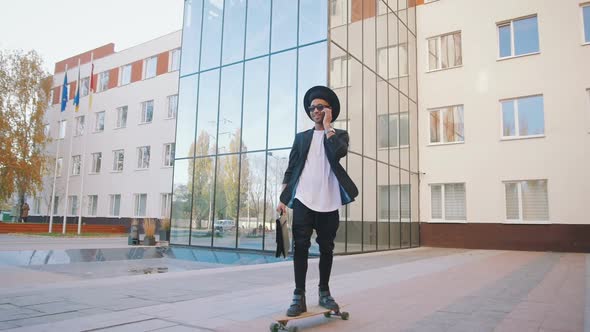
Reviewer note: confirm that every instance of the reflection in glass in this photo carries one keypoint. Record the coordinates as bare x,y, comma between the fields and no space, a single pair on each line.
313,16
504,33
187,111
282,100
203,170
277,163
211,45
369,114
258,28
508,123
255,97
530,116
251,201
181,202
191,36
404,207
230,104
233,31
394,207
207,113
370,205
312,72
355,209
284,24
415,213
526,36
226,201
382,206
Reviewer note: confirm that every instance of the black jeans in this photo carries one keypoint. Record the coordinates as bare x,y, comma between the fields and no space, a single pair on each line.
325,224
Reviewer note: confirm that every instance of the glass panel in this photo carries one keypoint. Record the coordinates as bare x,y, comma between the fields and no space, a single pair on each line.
413,133
526,36
370,205
284,24
402,12
338,10
415,213
312,71
282,100
382,120
453,124
369,114
394,210
354,222
258,28
355,106
392,43
255,99
530,116
230,109
251,201
313,24
454,201
512,209
233,31
508,123
436,201
404,194
534,200
586,14
226,201
404,80
434,126
211,45
207,113
394,155
382,206
181,202
277,163
505,40
369,37
191,36
203,171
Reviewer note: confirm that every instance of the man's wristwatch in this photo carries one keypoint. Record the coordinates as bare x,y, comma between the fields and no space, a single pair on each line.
330,130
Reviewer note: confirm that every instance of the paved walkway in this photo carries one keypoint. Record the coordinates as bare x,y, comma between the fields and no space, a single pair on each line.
423,289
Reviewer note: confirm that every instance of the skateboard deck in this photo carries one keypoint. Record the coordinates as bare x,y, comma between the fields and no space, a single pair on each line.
280,323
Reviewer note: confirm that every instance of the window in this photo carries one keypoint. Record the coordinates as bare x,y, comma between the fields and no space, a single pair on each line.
55,204
118,159
114,205
60,162
446,124
399,195
518,37
92,204
166,200
99,122
393,130
62,128
96,162
387,61
172,106
174,59
79,125
47,130
84,86
103,81
586,19
125,75
73,205
448,201
50,99
121,117
168,154
37,205
143,157
150,66
338,68
445,51
527,200
140,205
523,117
76,162
147,111
338,12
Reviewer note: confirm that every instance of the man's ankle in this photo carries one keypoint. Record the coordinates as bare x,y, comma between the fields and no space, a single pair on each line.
299,291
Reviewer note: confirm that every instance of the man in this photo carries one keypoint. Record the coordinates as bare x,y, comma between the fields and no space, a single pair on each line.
25,212
315,186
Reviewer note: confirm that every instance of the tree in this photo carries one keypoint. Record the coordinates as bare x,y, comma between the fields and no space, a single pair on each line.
24,96
201,177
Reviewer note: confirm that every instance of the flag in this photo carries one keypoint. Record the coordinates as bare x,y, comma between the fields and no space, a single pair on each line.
64,93
77,96
91,88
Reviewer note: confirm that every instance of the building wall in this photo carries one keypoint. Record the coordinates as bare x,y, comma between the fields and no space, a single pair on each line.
484,161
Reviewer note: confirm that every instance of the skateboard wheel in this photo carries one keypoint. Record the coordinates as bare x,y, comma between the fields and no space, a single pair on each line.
274,327
292,329
327,314
344,315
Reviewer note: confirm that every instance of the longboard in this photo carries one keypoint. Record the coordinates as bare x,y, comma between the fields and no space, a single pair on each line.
280,323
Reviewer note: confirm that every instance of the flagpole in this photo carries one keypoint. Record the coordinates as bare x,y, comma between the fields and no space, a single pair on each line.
52,200
84,144
68,173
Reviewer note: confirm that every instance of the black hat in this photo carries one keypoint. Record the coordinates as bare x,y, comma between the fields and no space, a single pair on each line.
324,93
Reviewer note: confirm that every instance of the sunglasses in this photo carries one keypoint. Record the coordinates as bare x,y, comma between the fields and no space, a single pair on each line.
319,107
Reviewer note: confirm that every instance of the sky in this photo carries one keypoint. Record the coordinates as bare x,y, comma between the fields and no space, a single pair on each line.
59,29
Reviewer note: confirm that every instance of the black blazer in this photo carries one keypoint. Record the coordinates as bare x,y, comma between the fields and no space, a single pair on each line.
336,147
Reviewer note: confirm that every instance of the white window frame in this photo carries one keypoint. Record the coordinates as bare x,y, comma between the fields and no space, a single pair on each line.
80,124
168,155
143,116
439,51
73,205
59,166
142,162
103,81
137,205
516,122
345,79
165,204
97,127
125,77
582,6
92,205
399,118
511,24
76,165
520,219
119,122
96,163
145,67
172,106
117,162
401,72
441,125
171,66
443,212
63,128
112,200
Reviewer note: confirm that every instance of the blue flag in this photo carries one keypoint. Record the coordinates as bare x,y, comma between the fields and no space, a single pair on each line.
64,93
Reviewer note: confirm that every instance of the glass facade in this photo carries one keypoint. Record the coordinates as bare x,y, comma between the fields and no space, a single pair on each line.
245,67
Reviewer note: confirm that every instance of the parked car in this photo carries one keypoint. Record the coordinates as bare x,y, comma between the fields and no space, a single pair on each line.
224,225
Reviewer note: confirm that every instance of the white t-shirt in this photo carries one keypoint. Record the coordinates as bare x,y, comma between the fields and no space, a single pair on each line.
318,188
